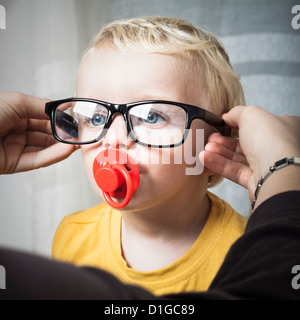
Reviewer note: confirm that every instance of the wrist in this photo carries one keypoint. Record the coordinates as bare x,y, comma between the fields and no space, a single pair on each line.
273,182
265,162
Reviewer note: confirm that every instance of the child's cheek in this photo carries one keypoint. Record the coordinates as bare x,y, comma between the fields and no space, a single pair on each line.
88,156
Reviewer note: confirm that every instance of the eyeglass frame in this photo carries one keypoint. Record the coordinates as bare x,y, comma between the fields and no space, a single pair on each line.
192,113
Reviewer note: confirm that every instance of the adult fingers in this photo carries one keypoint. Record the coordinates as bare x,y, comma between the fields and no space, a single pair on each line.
39,125
33,107
235,171
232,144
233,117
45,157
226,153
39,139
24,106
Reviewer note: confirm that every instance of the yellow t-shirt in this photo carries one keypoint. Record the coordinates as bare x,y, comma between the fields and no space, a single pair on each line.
93,238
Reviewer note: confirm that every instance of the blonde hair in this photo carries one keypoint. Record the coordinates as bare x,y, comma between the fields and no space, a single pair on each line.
202,52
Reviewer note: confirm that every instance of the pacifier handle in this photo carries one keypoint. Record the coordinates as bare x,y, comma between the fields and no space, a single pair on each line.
129,192
113,177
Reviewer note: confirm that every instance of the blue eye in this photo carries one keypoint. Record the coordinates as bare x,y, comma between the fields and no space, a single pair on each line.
153,118
98,120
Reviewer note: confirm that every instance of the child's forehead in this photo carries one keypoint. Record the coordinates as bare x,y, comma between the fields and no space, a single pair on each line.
110,62
148,73
109,53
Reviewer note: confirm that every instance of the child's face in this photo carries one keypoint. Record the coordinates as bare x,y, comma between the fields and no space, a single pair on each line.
114,76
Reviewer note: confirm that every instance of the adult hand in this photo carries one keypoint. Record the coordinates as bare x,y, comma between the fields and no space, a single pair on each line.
26,140
263,139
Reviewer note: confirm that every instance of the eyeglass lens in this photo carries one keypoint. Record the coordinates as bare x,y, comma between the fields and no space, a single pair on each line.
151,123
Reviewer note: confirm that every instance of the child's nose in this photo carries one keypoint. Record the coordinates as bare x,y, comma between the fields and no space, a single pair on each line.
117,134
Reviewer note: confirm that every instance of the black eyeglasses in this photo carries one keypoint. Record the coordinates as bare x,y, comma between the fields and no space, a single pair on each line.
153,123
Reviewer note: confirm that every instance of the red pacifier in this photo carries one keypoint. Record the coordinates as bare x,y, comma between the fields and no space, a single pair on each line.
117,175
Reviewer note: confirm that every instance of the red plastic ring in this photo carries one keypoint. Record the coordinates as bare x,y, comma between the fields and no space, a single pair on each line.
129,190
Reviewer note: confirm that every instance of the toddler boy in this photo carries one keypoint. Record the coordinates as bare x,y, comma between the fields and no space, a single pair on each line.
174,234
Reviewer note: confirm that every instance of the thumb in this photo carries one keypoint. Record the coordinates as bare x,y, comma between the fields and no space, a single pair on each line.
232,118
45,157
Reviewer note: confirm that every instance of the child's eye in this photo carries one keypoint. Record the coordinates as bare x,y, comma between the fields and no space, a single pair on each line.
98,120
153,118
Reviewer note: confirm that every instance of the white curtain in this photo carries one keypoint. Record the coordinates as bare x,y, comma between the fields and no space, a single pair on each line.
39,53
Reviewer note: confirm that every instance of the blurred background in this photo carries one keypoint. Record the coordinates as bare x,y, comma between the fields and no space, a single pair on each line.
40,50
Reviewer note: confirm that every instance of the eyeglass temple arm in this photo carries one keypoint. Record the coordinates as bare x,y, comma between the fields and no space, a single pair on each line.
48,108
217,122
